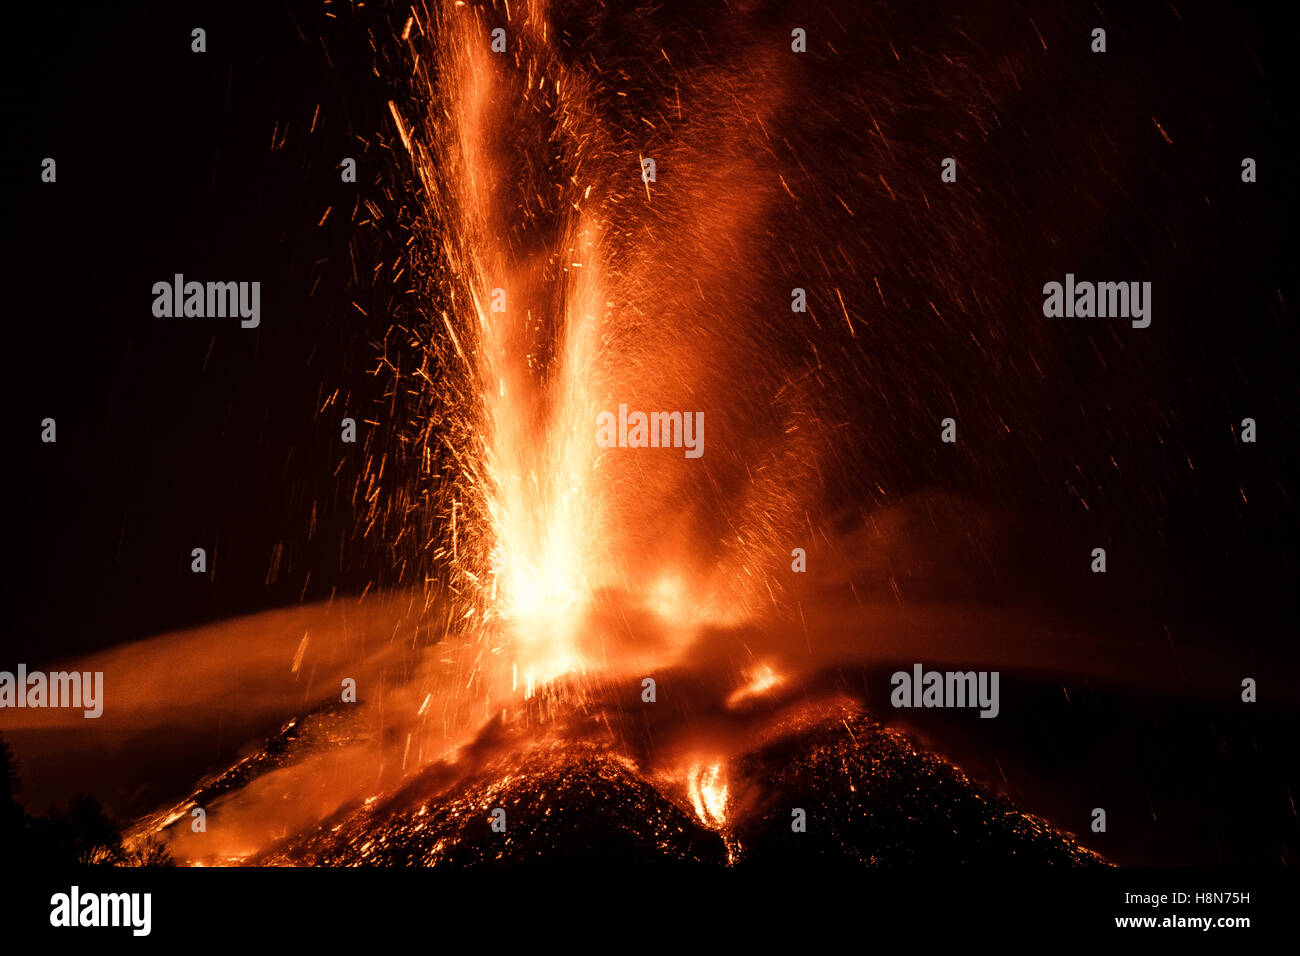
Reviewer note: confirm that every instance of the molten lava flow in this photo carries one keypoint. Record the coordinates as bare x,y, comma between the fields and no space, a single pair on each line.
708,792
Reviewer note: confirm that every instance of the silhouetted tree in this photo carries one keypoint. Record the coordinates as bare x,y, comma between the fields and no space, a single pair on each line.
81,834
13,819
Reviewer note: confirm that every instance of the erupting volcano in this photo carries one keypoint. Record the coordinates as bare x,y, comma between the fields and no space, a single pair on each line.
680,312
620,664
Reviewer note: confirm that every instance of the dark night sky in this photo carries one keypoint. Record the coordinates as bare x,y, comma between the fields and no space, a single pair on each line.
174,435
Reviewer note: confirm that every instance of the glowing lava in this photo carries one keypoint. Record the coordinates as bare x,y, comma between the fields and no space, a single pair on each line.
708,791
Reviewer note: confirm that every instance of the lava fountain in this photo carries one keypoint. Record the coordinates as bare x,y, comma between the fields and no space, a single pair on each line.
567,282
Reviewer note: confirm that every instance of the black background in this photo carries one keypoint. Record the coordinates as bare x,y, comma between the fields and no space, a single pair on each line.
171,435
